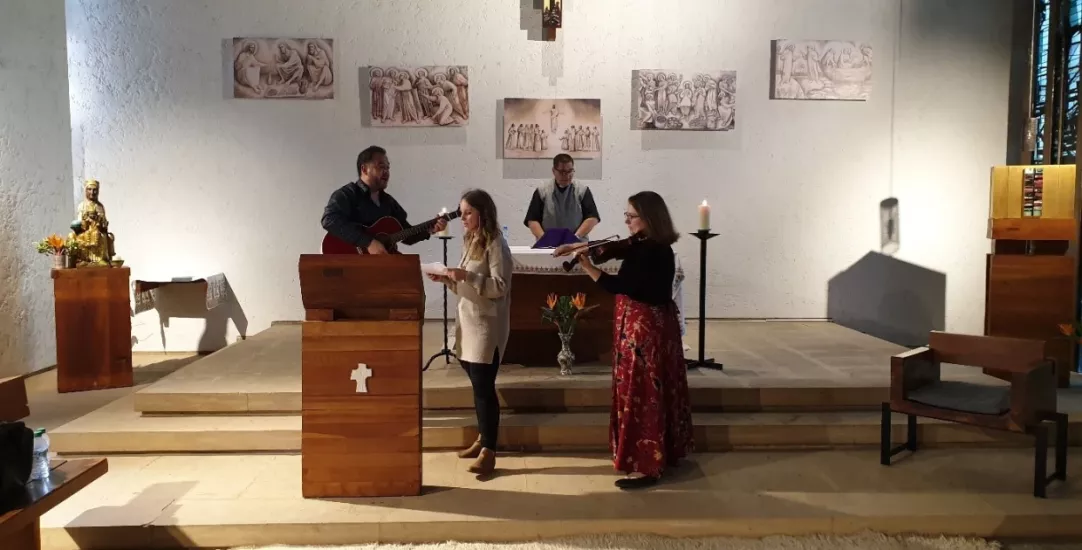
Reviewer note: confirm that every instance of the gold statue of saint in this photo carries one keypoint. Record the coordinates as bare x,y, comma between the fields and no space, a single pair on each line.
91,229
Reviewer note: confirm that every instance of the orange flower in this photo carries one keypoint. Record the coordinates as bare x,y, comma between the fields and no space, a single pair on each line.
552,300
55,242
579,301
1067,329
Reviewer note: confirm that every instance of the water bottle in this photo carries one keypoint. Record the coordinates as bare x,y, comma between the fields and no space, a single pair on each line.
40,468
506,234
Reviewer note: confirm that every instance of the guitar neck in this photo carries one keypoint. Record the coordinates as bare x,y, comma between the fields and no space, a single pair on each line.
420,228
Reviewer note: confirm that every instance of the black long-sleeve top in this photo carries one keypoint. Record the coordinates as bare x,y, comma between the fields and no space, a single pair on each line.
646,274
351,206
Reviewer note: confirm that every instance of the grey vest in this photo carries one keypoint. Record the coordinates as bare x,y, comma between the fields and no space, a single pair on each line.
562,208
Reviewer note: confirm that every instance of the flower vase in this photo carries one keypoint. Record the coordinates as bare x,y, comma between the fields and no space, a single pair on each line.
565,358
59,261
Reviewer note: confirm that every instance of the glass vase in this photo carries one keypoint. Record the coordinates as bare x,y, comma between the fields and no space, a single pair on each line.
565,358
59,261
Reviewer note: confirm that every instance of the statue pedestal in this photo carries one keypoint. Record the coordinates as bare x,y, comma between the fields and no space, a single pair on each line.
93,328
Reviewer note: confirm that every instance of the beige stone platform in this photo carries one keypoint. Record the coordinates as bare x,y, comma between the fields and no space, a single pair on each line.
225,501
117,428
769,366
245,398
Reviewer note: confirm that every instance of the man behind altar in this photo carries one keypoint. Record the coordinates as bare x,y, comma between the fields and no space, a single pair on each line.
562,203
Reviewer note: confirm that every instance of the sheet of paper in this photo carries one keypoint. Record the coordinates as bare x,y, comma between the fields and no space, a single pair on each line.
435,268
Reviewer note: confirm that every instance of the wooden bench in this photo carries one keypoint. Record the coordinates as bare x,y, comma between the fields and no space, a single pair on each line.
1024,406
20,528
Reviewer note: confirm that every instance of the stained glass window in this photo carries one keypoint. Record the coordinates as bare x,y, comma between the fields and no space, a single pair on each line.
1055,90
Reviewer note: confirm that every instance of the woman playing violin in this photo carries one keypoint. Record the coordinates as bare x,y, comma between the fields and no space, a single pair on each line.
650,422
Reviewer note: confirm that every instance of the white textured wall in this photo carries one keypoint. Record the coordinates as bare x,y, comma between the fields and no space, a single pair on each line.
950,127
35,175
198,183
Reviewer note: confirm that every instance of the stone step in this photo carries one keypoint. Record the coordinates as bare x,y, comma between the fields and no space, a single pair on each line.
573,396
255,501
117,428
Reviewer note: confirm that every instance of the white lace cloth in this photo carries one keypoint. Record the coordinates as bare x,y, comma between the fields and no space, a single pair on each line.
540,260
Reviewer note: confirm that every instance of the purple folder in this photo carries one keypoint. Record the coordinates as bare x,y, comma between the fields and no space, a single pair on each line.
555,237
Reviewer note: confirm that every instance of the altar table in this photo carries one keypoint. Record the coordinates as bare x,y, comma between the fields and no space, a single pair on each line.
535,343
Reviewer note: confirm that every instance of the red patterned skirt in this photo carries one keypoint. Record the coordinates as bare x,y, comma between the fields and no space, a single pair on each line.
650,424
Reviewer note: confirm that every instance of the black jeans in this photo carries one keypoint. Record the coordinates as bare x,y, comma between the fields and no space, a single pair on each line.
485,401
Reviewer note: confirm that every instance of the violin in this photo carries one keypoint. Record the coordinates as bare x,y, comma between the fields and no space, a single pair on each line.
612,248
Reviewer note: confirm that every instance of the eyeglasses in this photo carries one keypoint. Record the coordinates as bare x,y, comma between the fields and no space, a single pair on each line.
565,172
629,216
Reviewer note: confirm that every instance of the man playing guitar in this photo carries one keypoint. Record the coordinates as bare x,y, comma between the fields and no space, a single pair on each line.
357,206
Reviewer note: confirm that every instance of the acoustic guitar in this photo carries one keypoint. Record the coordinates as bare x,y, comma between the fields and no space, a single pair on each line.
386,230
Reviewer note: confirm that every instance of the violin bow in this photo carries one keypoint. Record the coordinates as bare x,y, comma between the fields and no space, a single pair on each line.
606,240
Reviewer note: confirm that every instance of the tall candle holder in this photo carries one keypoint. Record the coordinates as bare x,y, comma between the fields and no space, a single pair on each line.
703,235
445,352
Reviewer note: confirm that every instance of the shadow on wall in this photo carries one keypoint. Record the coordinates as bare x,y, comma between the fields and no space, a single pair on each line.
890,299
530,19
189,302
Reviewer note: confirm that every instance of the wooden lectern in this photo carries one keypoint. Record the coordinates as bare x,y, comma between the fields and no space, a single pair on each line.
361,375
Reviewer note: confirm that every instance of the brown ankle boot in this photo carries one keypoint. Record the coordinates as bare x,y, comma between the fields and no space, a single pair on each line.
485,463
473,451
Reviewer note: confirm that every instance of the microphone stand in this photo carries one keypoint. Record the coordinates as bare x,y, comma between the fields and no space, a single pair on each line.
445,352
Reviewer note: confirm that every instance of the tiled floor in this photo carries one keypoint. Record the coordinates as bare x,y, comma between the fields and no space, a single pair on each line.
255,499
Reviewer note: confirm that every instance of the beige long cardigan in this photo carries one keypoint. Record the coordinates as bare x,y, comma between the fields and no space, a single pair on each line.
484,303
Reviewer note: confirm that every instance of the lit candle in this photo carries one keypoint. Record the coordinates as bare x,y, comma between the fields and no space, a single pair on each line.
444,232
704,216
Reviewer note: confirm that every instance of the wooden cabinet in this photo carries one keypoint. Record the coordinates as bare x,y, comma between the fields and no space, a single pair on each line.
1031,274
93,328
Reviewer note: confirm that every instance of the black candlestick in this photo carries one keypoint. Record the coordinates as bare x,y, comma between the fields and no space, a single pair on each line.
447,353
703,235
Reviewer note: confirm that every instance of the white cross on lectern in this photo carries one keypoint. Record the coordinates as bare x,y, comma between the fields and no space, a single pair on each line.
360,375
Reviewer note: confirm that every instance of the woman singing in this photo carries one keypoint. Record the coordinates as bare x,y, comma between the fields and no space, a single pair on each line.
650,422
483,284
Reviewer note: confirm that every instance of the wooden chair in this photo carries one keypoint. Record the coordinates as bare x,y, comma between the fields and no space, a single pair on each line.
1024,406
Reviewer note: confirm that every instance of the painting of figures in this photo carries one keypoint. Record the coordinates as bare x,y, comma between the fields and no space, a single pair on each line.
544,128
283,68
822,69
672,100
553,14
416,97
